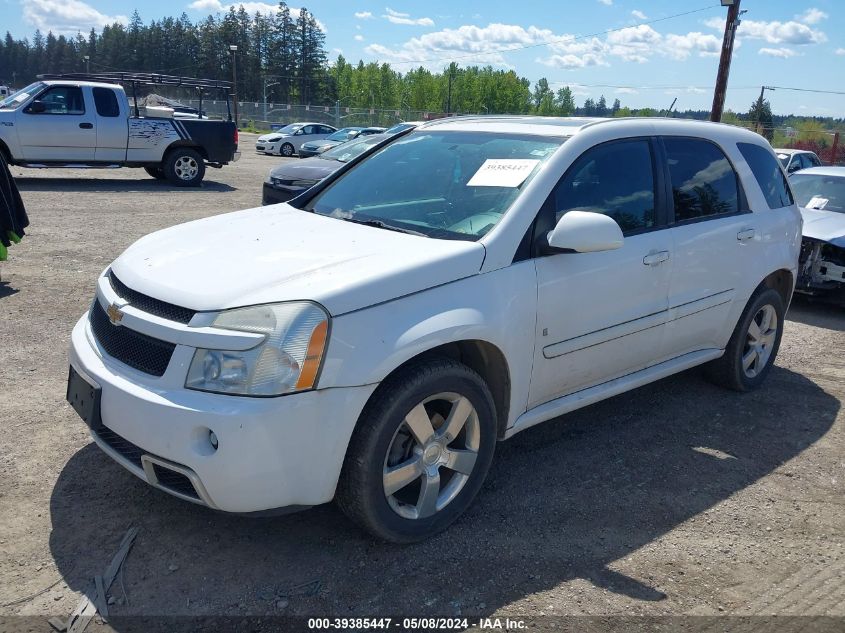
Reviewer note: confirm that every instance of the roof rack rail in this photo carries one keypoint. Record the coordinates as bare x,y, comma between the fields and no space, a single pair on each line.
153,79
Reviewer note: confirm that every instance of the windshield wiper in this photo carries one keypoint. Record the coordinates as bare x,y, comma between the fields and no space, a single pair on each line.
383,225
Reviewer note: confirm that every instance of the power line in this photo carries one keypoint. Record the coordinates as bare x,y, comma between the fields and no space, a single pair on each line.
826,92
561,40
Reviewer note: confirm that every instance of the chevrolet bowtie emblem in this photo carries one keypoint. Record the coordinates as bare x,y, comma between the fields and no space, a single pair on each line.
115,314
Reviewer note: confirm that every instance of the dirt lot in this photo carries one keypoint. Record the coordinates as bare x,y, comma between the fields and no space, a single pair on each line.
678,498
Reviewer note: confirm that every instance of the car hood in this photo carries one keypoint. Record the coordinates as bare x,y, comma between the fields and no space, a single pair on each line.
266,138
320,143
280,253
827,226
306,169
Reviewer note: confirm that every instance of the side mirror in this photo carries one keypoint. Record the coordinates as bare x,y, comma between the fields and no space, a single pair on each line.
794,166
586,232
36,107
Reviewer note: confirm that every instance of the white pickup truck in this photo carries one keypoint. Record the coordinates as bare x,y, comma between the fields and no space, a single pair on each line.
67,122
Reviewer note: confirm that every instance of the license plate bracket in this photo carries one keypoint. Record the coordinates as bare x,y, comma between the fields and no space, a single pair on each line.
84,398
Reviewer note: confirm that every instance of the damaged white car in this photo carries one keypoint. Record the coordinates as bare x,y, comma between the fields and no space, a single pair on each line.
820,192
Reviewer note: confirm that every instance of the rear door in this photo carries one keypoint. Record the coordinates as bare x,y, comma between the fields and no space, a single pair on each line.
112,127
716,240
601,315
64,131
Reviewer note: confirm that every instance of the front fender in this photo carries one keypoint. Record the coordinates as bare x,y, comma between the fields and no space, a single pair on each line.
498,308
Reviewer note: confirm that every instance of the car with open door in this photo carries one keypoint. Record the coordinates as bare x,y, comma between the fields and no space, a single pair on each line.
372,340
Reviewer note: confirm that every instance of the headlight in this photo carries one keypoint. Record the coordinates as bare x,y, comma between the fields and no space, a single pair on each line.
288,360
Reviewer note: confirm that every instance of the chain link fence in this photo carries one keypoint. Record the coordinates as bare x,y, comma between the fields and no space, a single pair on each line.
256,114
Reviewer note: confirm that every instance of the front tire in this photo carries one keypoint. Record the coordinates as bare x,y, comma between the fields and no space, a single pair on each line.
286,150
753,346
184,167
420,452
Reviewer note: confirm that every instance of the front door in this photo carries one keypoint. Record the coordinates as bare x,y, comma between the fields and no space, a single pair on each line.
601,315
64,131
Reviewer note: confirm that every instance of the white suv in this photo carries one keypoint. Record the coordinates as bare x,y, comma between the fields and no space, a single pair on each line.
463,281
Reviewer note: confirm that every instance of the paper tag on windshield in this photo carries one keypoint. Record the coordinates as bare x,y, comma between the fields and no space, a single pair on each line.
502,172
817,202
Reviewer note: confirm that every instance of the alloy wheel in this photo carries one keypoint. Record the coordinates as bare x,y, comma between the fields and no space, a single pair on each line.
759,341
431,456
186,167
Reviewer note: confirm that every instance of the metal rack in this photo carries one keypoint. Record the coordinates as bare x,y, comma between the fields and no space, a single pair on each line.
151,79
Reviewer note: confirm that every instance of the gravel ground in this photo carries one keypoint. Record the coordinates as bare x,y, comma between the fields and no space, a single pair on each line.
677,498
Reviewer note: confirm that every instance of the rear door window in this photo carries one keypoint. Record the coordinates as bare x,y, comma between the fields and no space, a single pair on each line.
768,174
704,183
106,102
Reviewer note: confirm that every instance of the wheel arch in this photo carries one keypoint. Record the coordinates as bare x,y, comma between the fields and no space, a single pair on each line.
484,358
185,143
4,150
781,281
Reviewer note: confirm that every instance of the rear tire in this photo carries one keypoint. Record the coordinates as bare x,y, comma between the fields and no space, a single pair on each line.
753,346
156,172
420,452
184,167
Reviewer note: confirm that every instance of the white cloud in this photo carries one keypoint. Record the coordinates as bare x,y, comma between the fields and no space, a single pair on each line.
405,18
606,2
775,32
811,16
359,38
363,15
840,51
639,14
217,6
66,16
472,44
626,91
783,53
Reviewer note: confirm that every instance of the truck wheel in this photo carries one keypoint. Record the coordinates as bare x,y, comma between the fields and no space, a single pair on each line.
184,167
754,344
420,452
286,150
155,172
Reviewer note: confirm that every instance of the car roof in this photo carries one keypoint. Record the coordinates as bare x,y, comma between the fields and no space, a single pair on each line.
792,151
570,126
823,171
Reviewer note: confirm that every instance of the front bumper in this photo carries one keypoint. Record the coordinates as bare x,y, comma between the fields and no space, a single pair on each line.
267,148
308,153
272,452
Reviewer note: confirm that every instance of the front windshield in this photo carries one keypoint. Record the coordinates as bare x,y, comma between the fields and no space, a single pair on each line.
445,184
343,135
816,191
347,151
17,98
289,129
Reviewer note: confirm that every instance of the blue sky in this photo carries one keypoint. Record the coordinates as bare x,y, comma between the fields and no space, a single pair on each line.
643,63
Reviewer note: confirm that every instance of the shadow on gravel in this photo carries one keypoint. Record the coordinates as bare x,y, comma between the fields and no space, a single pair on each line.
817,312
564,500
114,185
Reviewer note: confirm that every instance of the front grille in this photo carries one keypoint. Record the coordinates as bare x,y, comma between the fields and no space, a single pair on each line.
148,304
170,479
142,352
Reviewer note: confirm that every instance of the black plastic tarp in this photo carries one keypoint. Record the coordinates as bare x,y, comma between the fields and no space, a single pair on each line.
13,218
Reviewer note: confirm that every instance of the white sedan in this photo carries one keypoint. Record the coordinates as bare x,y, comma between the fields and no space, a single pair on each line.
288,140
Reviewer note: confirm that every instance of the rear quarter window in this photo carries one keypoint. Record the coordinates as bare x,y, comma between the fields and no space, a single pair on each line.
106,102
769,175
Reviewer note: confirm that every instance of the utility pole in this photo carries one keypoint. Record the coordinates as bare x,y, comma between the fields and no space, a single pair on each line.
759,123
731,25
834,149
87,59
266,85
233,48
449,93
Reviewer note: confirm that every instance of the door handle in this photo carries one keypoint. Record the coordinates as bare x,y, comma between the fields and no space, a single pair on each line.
86,126
745,235
655,259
